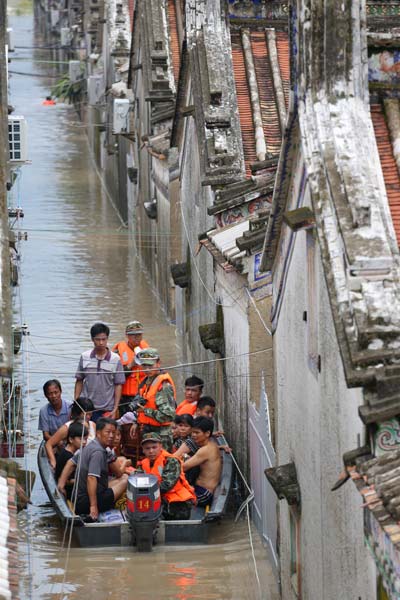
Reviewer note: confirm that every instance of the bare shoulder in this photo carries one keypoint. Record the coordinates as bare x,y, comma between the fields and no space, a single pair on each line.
214,449
203,451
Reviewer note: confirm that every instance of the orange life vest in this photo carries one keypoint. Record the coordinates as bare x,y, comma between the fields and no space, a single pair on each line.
186,408
182,490
126,355
150,392
48,103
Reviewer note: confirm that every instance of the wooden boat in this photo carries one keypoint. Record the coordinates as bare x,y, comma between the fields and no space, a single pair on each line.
193,531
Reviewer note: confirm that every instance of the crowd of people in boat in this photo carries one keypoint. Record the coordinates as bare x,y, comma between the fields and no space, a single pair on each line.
125,417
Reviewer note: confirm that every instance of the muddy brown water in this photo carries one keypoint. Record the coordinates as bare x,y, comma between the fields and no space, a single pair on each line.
78,266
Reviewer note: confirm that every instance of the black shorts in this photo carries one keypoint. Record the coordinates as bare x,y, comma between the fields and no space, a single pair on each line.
105,501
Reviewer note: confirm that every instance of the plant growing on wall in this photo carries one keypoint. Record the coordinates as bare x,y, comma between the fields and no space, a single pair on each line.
67,90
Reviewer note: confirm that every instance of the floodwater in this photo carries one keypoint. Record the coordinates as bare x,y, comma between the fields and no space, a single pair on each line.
78,266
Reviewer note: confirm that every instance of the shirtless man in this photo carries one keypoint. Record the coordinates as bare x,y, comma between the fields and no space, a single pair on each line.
207,458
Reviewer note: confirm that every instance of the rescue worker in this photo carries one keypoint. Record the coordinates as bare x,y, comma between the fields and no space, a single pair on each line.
177,495
156,403
127,353
193,390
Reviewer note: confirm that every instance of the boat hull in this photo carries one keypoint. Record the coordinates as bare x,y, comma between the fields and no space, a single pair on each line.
86,535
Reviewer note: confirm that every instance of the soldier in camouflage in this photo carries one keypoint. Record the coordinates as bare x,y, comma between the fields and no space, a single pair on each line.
177,495
156,414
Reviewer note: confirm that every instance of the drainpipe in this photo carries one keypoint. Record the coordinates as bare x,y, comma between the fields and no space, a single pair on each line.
261,148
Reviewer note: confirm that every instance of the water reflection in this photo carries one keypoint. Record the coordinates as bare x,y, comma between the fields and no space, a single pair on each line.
78,267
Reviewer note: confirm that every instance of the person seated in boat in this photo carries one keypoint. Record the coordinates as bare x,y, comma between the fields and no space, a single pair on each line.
156,405
193,390
177,495
55,412
129,418
76,439
175,432
184,424
205,407
116,455
208,458
95,492
126,350
81,410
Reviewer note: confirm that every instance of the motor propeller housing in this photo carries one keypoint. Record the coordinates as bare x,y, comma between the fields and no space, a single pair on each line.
143,508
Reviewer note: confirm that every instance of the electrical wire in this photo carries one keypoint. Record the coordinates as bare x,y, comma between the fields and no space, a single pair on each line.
44,75
267,329
47,62
177,366
210,294
246,504
253,553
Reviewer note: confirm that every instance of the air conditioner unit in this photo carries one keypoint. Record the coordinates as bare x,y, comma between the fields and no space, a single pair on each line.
10,39
74,70
65,36
121,116
95,89
17,139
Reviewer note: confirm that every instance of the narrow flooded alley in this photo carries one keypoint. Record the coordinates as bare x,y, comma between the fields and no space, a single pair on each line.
78,266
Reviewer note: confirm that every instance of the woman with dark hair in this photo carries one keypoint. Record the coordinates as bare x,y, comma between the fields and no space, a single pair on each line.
184,424
81,411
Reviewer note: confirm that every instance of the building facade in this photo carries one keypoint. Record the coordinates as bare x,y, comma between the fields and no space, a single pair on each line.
332,248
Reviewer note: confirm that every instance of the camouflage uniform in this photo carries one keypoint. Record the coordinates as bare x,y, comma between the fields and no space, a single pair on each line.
165,413
170,475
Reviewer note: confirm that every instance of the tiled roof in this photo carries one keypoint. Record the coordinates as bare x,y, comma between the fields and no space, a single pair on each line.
243,100
269,111
282,45
377,480
221,243
388,163
174,39
131,8
231,243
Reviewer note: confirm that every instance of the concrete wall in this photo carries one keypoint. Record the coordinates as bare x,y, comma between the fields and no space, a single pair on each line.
235,387
194,304
143,228
317,421
164,232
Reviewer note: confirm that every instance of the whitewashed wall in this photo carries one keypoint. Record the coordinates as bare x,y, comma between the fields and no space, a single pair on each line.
234,409
317,421
194,305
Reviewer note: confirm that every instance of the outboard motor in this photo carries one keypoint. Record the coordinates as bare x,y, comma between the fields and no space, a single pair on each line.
143,508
